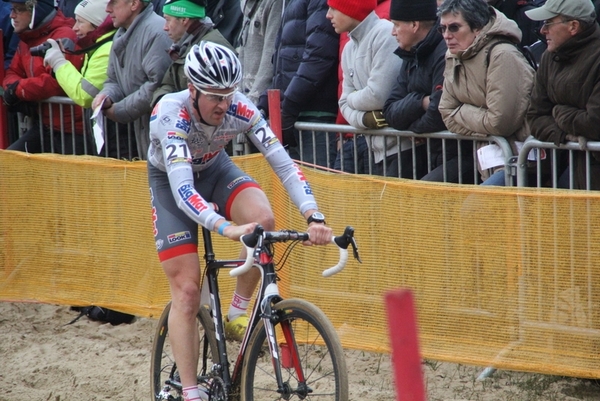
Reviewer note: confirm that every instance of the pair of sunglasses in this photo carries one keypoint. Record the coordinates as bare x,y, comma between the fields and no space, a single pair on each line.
452,28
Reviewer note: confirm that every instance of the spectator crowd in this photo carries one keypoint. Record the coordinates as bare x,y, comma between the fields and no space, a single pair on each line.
422,66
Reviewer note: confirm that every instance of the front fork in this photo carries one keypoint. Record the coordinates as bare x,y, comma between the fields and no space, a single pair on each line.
286,355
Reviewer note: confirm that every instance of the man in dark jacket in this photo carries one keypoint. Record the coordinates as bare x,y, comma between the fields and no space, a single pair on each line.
305,71
413,103
565,103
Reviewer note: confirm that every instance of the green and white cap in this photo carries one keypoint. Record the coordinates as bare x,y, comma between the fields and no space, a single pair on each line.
185,8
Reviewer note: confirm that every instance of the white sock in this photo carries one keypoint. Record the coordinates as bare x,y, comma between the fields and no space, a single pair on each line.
238,306
191,393
194,393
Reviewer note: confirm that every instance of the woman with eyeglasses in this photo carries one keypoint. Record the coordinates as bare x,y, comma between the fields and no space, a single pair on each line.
487,80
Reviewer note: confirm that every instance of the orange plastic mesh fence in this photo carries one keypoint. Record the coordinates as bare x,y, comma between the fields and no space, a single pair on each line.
504,277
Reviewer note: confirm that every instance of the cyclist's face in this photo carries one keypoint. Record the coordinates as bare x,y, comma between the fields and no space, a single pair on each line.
212,104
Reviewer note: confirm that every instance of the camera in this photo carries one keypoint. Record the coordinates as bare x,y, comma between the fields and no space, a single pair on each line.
68,46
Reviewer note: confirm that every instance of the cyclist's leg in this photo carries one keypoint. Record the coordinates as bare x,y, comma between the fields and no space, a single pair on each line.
242,201
165,379
176,237
183,273
251,205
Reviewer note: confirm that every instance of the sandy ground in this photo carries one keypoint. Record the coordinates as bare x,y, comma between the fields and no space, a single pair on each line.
43,359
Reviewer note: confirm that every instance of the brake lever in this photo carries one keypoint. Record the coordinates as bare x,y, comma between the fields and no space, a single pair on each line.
348,239
355,249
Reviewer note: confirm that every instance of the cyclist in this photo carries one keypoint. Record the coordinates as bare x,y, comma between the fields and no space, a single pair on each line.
188,168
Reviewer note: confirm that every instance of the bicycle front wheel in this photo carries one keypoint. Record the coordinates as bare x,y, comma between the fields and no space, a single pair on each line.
165,381
316,372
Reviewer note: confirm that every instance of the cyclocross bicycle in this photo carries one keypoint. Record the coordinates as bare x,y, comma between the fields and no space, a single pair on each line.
290,350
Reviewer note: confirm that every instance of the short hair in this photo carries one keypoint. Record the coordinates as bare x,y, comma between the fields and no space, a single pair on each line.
476,13
584,25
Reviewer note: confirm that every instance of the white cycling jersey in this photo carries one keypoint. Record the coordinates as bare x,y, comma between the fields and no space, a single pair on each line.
181,145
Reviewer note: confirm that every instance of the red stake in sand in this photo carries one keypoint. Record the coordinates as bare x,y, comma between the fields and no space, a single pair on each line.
406,358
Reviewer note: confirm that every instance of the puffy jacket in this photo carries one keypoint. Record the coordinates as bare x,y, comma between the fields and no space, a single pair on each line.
305,60
480,99
422,74
35,80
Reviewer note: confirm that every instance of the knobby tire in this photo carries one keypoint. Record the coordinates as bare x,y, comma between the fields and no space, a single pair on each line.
320,352
163,364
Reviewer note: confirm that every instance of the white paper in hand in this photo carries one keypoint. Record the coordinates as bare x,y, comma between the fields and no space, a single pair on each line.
98,127
490,156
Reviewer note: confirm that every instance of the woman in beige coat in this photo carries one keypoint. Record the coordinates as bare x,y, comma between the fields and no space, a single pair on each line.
487,86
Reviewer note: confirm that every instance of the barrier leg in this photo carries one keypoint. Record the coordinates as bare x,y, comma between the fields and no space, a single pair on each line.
402,325
487,372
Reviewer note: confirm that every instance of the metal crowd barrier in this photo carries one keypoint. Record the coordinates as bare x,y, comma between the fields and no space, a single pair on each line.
516,166
417,140
118,139
539,148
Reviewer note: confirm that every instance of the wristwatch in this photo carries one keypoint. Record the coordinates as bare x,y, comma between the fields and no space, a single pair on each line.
316,217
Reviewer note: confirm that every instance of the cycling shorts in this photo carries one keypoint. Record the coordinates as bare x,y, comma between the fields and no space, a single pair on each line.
174,232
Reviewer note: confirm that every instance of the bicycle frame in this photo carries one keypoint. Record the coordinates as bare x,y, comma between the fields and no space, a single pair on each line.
271,317
268,294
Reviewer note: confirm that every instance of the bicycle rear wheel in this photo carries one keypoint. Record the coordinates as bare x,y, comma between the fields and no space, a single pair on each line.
320,371
164,377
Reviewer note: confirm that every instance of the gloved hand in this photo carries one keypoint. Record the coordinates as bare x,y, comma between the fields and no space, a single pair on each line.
289,137
10,94
582,140
374,119
54,56
287,121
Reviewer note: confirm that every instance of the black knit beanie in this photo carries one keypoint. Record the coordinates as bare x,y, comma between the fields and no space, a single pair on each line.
42,9
413,10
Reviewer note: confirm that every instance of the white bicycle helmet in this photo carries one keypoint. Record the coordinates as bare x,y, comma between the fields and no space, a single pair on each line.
212,66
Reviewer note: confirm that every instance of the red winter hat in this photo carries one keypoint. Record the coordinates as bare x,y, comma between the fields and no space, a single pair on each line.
357,9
